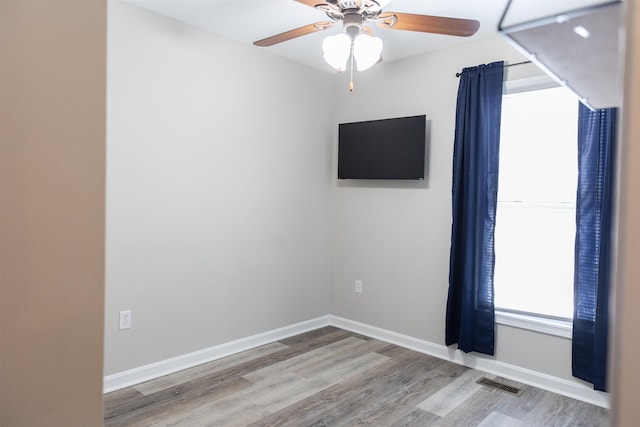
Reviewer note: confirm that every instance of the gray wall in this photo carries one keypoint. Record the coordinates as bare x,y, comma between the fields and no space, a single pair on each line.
218,190
224,217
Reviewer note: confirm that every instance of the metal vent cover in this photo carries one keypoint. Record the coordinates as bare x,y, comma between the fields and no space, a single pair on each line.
499,386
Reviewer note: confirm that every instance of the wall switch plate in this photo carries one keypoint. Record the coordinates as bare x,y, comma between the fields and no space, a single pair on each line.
358,286
125,319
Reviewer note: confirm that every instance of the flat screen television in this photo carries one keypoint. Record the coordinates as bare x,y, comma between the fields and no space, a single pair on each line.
382,149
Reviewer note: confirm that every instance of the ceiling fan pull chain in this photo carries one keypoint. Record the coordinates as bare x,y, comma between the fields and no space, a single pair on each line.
351,83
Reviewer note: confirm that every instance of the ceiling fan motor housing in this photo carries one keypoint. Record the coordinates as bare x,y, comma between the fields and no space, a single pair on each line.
352,22
346,4
363,6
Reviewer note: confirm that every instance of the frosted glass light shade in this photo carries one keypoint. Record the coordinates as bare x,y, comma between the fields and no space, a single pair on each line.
366,51
337,50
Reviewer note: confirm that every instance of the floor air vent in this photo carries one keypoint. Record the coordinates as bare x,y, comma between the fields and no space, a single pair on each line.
500,386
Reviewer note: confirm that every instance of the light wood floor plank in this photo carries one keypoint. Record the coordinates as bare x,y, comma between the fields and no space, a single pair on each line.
333,377
474,410
271,394
452,395
272,398
158,407
168,381
306,360
417,417
377,398
496,419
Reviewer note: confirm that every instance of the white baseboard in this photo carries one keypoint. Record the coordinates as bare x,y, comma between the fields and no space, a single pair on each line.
573,389
189,360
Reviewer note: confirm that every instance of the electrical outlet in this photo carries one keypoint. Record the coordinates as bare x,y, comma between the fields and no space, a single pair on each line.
358,286
125,319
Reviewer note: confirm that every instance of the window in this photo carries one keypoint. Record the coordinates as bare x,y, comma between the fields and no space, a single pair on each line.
535,218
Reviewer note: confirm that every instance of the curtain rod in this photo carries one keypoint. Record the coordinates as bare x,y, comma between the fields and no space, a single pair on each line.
505,66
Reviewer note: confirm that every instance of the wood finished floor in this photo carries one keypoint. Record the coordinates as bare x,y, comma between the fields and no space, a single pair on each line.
332,377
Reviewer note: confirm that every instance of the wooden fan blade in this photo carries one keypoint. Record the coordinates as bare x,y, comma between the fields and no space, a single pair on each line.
429,24
292,34
367,31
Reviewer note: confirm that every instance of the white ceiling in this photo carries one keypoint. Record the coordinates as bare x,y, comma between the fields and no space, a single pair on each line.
246,21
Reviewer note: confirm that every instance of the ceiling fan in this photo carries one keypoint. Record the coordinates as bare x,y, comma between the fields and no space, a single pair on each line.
357,42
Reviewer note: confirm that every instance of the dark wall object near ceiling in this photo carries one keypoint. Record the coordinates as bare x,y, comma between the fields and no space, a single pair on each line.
580,48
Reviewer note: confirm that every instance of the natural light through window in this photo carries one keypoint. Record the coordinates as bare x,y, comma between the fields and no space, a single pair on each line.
535,220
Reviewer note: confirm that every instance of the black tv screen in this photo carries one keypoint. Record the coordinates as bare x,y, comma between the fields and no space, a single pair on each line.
382,149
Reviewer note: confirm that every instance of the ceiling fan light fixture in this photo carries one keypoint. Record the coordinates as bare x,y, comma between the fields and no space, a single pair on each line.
356,16
366,51
337,50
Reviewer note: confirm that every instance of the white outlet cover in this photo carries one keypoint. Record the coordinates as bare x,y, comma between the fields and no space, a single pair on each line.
125,319
358,286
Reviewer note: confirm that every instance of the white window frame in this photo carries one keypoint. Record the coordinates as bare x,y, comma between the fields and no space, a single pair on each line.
557,327
530,321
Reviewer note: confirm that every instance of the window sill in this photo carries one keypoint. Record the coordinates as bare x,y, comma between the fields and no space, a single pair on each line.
559,328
